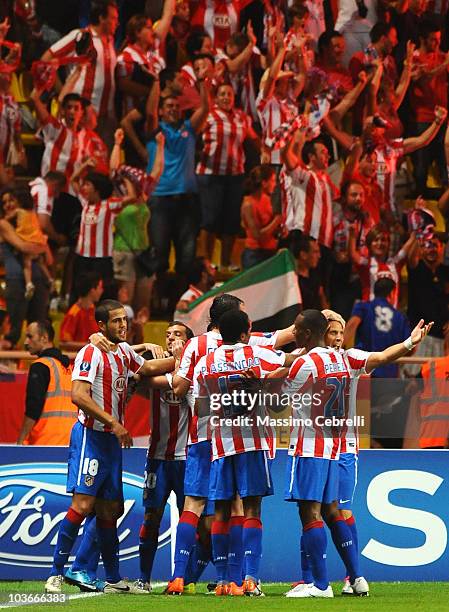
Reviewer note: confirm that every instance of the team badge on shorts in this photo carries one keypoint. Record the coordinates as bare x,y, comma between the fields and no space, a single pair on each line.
88,480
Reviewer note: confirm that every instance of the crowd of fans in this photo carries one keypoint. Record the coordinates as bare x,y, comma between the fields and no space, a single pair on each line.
297,124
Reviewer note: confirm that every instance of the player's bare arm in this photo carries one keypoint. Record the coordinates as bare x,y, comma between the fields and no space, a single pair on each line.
157,366
398,350
81,397
285,336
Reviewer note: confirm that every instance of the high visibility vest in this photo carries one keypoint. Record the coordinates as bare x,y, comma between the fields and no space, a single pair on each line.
59,414
435,404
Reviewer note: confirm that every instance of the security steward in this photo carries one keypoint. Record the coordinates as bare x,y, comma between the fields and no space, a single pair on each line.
49,412
434,432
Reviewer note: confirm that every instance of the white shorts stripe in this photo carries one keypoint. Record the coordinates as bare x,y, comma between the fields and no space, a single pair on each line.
267,471
83,446
292,475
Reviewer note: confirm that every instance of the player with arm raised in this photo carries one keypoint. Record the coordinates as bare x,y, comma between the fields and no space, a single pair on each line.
306,445
95,457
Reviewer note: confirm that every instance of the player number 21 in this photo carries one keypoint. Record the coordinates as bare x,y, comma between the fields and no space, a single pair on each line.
335,405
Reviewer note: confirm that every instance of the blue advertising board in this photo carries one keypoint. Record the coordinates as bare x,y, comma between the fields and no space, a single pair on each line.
400,508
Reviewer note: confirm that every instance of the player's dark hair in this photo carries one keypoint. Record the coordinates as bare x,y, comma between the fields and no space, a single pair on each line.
103,309
379,29
221,304
102,184
189,332
383,287
71,97
232,325
99,8
315,321
86,282
45,328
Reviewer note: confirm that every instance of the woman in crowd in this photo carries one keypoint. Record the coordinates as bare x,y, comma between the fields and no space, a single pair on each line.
12,249
221,172
261,225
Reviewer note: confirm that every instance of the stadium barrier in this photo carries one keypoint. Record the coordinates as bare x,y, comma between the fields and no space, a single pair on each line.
400,507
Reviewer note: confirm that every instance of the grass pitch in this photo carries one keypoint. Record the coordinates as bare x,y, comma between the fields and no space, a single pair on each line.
388,597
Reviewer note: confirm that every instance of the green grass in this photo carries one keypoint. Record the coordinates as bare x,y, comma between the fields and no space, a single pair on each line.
388,597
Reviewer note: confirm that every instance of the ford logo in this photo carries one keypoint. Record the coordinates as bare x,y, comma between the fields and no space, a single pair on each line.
33,501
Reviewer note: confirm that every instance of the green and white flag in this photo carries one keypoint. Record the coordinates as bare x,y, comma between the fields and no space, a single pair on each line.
270,291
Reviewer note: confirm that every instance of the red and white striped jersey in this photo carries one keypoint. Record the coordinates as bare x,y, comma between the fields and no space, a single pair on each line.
107,374
96,228
96,147
220,18
318,384
43,202
96,82
169,424
65,149
307,203
273,112
218,374
243,82
342,227
370,270
188,74
192,294
151,60
194,350
349,438
291,40
386,166
10,124
223,137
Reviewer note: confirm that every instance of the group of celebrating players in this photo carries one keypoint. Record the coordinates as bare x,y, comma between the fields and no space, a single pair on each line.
216,455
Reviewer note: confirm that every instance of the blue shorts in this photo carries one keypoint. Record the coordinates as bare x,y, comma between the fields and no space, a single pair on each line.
347,479
196,479
160,479
248,474
312,479
95,464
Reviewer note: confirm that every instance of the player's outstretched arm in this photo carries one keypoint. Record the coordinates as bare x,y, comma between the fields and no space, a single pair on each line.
157,366
81,397
398,350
